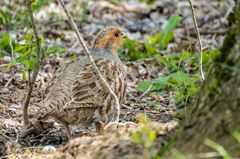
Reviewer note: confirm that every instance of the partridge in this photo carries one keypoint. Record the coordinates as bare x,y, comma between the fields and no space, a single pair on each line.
77,96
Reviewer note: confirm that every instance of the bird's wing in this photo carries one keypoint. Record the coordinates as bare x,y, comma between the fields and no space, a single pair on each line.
58,92
88,90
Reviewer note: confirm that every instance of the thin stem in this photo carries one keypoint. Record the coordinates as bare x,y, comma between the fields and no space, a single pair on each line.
199,40
82,43
38,62
10,44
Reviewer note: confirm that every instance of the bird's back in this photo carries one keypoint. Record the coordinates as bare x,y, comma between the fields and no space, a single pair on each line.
76,86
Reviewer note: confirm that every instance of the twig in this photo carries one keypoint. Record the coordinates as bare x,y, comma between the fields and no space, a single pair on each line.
125,106
199,41
9,138
17,134
149,89
3,107
38,61
72,47
82,43
218,32
4,65
8,82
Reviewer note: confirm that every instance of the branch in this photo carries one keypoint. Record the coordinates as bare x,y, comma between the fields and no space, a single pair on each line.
38,62
199,40
82,43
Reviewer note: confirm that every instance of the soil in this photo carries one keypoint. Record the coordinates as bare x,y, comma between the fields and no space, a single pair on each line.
137,21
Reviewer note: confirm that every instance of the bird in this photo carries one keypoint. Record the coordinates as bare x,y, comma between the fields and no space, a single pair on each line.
76,94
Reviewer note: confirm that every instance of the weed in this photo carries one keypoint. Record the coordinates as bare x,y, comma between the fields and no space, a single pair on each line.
24,52
152,45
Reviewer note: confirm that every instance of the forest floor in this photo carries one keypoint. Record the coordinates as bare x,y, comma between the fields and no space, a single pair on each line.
137,20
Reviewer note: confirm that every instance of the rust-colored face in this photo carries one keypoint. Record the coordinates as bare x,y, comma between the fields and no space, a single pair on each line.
109,38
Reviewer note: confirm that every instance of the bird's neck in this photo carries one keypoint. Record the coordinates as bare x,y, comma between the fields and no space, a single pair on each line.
107,48
108,45
103,53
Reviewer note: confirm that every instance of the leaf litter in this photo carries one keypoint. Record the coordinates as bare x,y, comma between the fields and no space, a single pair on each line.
137,21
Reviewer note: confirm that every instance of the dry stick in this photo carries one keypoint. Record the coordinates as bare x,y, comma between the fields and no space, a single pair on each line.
35,72
81,41
199,40
148,90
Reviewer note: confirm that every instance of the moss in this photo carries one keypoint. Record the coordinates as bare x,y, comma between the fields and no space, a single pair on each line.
216,111
212,87
233,32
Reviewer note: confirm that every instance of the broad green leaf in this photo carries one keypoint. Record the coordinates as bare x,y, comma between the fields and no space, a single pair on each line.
28,37
151,50
4,41
5,17
160,83
144,86
155,39
161,59
167,37
193,90
185,55
181,78
54,50
173,22
20,48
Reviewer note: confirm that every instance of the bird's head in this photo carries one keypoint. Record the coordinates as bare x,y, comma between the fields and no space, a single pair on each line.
109,38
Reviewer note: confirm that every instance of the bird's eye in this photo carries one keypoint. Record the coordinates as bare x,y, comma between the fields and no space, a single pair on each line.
116,34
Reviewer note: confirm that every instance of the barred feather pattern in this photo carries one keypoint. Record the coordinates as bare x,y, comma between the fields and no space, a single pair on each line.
76,94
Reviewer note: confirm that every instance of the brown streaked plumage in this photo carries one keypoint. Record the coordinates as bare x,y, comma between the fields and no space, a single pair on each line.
76,95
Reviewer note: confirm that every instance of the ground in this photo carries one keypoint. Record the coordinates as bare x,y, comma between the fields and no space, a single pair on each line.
137,22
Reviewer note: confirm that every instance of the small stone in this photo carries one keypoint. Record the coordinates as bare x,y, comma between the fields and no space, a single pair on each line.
48,149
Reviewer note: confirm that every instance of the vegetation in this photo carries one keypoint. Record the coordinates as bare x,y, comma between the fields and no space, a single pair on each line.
178,78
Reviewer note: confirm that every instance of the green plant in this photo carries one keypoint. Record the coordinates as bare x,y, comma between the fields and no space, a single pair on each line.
178,79
113,1
5,16
236,135
145,137
11,21
177,154
161,40
24,52
38,4
149,2
221,152
219,148
174,61
134,49
180,82
82,12
152,45
2,138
